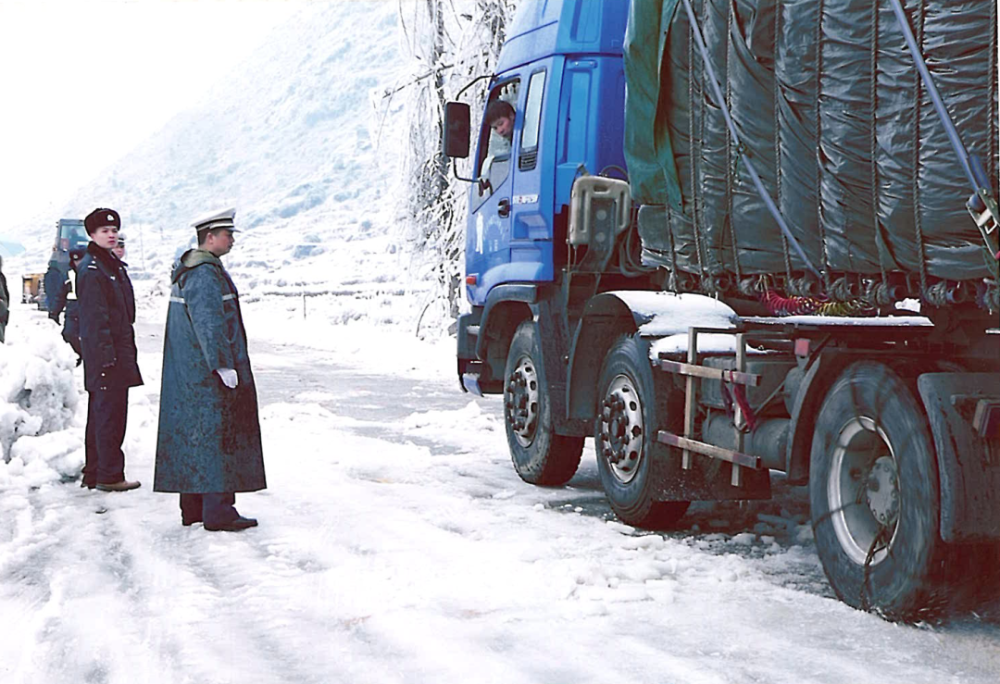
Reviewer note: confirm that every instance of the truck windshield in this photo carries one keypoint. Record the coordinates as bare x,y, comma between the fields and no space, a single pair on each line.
74,236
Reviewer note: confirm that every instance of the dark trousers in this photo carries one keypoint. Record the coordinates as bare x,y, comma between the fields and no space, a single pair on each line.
107,414
213,509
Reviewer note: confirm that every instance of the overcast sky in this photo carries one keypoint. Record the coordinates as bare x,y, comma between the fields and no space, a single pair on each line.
82,82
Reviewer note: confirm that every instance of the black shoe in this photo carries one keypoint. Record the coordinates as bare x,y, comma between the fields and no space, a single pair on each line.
237,525
188,522
88,485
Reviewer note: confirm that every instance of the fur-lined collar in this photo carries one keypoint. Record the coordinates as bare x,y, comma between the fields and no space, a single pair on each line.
105,256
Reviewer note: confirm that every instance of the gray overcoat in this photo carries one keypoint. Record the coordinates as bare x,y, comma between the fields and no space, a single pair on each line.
208,438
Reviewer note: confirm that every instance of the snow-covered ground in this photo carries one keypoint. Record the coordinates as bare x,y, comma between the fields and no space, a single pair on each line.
398,545
396,542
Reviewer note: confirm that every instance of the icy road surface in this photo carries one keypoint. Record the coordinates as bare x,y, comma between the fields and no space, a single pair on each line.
398,545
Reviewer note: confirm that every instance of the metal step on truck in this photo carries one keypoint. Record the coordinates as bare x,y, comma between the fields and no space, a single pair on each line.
729,238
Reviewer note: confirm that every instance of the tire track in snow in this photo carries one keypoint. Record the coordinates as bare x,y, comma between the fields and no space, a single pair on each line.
250,587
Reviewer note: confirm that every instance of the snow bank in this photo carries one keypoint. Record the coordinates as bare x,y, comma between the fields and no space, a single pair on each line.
38,401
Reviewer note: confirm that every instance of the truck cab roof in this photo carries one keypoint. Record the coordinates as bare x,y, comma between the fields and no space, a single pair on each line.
565,27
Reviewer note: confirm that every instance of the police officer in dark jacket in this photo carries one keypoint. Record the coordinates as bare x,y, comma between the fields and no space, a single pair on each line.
53,291
71,327
110,366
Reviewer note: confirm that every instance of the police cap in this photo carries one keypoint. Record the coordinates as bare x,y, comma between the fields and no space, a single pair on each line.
101,217
217,219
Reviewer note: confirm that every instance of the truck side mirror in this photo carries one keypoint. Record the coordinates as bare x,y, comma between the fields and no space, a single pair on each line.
456,130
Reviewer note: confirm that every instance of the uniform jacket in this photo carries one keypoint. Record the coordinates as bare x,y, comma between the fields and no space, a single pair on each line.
71,326
4,305
107,312
53,291
208,438
72,305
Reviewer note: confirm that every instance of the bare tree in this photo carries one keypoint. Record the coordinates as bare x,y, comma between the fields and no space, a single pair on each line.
450,42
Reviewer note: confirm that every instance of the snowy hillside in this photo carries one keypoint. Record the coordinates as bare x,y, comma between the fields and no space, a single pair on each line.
295,139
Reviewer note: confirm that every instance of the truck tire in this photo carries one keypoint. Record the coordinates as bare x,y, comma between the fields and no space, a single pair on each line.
540,456
873,488
629,414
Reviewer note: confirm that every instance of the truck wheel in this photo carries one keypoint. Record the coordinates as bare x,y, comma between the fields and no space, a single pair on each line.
873,488
540,456
629,413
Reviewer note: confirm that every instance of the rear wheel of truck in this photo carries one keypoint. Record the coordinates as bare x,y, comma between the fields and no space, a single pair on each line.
629,414
540,456
873,487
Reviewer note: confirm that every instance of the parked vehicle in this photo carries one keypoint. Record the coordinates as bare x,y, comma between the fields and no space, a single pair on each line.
31,289
70,234
756,167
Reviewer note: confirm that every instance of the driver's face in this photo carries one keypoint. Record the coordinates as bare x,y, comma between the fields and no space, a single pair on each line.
504,126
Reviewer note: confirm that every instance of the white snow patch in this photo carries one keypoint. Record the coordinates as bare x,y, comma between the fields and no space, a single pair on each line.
37,390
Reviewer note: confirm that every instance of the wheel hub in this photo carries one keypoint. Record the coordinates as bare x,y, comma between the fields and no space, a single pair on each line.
882,491
863,491
621,428
521,401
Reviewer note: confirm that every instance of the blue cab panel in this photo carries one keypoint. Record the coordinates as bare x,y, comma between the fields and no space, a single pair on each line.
561,69
564,27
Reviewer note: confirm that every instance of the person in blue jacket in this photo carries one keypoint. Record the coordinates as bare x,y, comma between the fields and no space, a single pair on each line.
208,443
107,340
53,282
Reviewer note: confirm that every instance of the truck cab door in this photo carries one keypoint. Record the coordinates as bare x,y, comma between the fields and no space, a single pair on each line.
488,235
532,230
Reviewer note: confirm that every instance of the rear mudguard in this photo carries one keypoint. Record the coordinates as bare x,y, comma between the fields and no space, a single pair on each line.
968,462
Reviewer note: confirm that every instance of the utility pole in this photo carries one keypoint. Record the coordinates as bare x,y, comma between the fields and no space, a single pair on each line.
142,249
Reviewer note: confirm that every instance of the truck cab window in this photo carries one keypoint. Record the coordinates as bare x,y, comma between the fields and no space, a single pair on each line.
533,111
496,136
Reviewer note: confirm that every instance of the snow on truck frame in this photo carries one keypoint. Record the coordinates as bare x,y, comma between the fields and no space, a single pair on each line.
727,306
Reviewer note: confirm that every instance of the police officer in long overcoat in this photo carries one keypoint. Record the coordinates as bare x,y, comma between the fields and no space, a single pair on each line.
107,341
208,443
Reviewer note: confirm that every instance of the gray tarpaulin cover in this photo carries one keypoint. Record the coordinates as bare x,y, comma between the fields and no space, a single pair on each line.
835,119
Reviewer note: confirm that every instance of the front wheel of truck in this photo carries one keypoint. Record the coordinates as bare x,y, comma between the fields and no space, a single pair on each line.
629,413
540,456
873,489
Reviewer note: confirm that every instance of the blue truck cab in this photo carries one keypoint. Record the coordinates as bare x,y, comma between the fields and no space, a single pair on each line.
561,69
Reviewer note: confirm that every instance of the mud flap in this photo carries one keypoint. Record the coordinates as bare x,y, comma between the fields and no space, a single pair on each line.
968,464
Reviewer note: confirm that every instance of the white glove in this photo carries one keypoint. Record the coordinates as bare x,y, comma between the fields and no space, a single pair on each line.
228,377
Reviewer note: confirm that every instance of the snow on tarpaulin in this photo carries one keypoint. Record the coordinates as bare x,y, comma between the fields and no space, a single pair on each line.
38,401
